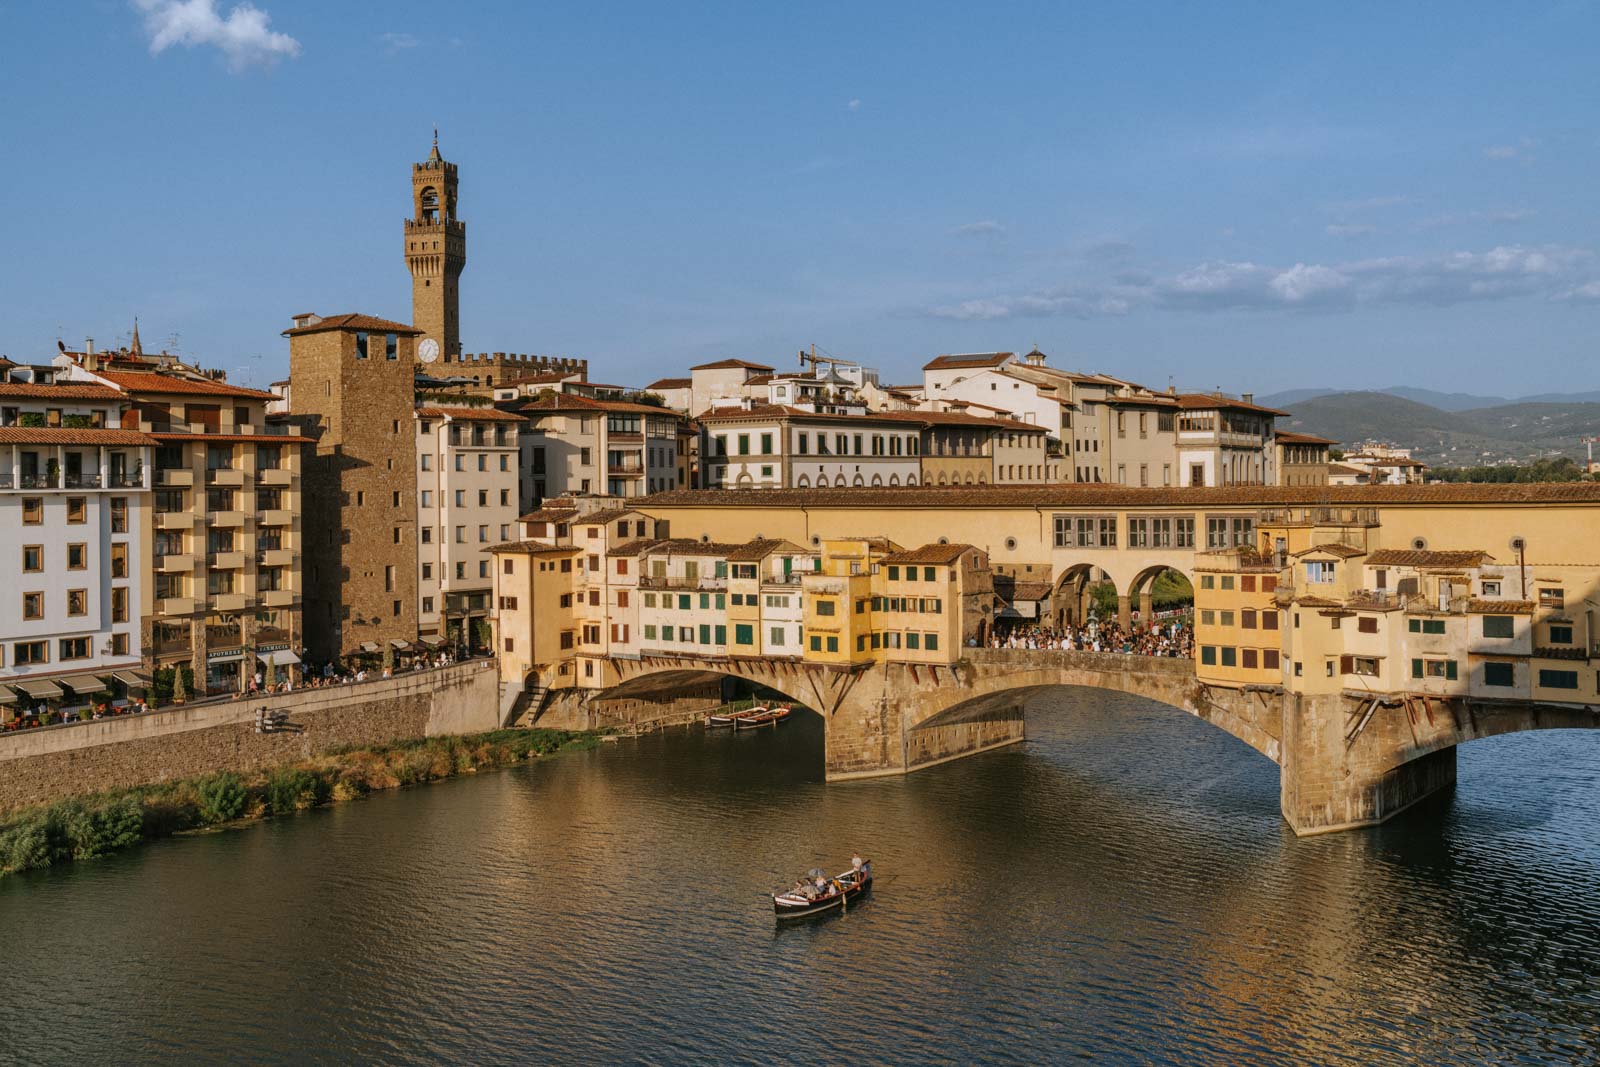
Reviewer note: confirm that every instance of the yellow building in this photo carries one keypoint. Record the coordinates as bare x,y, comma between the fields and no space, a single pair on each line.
929,602
838,600
1237,620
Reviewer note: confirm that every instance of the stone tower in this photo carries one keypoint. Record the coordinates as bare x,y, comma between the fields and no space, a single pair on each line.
436,250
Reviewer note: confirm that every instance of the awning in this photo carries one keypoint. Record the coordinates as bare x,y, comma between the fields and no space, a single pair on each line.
399,644
369,647
236,653
433,642
131,679
39,688
7,696
1021,609
84,684
280,657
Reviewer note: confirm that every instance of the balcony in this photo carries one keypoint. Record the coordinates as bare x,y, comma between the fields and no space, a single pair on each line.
277,598
177,563
36,481
175,477
83,481
225,561
229,602
685,584
175,605
224,476
275,517
175,520
627,470
227,518
275,557
275,476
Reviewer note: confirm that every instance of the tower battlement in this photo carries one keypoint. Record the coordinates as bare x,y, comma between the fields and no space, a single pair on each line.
436,251
509,365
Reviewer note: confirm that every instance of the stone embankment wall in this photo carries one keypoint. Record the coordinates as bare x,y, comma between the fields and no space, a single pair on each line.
575,709
39,766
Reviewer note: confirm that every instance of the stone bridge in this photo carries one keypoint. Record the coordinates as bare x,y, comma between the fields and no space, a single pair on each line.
1345,759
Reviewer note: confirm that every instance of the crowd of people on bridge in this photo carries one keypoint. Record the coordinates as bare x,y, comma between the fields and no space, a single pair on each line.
1169,639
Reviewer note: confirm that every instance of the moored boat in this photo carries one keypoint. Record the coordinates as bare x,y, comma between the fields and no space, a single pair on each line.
762,717
732,718
816,893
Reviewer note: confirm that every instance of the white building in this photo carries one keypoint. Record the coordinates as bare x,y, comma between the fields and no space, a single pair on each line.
466,504
74,521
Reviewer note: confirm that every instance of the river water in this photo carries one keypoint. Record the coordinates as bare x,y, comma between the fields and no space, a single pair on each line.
1121,888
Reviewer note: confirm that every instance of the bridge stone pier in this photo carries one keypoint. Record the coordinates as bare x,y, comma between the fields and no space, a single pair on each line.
1345,760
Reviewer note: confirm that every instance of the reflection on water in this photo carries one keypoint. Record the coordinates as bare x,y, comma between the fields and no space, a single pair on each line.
1121,886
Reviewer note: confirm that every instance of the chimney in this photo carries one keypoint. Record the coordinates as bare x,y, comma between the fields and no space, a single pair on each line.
91,362
306,318
1248,398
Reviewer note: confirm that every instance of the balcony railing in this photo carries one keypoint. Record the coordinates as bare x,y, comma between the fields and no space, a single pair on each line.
83,481
679,582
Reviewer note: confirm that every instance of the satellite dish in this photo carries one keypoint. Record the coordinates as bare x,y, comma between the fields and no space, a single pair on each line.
428,350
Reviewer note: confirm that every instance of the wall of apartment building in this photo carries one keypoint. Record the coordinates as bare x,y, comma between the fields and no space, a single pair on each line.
1020,457
360,489
78,558
466,503
1136,449
744,453
562,453
710,385
880,453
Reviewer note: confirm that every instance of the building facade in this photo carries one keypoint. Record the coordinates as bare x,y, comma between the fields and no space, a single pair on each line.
436,254
466,503
353,396
576,444
75,525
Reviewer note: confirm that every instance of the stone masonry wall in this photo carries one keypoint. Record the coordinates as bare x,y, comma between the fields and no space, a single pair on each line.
40,766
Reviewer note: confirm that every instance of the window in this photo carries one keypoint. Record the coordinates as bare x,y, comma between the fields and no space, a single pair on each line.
361,344
1208,581
894,574
1553,598
1208,655
32,510
1247,619
1561,635
75,648
833,646
1320,571
77,601
1269,659
1247,658
930,642
1229,656
1491,589
1500,626
744,634
1558,679
1425,626
1434,668
816,643
32,558
1500,675
119,603
33,605
1269,620
26,652
825,607
775,636
913,640
78,559
1367,624
75,510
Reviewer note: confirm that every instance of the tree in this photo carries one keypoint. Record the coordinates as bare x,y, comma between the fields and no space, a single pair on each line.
180,686
388,658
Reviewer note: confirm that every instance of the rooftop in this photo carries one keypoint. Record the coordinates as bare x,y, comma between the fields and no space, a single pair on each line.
732,364
151,382
483,414
944,554
59,435
65,391
969,360
367,323
1078,495
568,402
671,383
1404,557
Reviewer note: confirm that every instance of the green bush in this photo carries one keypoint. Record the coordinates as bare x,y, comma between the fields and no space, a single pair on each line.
221,798
25,846
286,788
85,833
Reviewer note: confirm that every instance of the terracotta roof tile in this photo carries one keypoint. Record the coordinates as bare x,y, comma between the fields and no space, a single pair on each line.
943,554
532,548
968,360
67,391
1342,551
1404,557
1206,401
760,549
568,402
353,322
60,435
671,383
549,514
236,438
1289,437
151,382
732,364
1500,607
468,413
1080,495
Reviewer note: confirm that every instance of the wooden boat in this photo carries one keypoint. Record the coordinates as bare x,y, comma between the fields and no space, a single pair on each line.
762,717
731,718
841,891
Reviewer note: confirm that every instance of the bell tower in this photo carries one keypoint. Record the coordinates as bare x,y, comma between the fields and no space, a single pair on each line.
436,251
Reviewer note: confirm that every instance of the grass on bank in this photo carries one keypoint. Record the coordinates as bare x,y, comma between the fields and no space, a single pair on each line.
83,828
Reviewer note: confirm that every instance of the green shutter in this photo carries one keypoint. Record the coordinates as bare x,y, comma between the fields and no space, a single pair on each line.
705,634
722,636
1450,669
1416,664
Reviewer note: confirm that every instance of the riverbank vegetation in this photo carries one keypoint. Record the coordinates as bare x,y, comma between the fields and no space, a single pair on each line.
83,828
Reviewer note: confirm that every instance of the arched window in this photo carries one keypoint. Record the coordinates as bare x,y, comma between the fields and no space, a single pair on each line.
911,479
877,481
804,481
894,479
429,204
860,481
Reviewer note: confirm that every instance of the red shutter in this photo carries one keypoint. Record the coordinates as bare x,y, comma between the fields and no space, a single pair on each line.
1347,665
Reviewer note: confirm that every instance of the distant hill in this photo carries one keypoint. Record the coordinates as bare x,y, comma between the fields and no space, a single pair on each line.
1506,431
1290,398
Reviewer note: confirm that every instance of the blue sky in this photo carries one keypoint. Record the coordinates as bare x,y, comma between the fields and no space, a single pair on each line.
1255,196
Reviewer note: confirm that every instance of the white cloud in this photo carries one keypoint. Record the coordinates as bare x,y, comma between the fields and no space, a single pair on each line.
243,36
854,105
398,42
1350,229
981,228
1504,215
1551,271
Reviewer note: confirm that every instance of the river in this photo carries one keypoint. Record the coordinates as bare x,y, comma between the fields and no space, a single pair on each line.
1120,887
